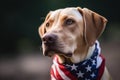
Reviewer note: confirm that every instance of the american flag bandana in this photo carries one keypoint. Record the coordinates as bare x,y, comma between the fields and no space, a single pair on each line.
89,69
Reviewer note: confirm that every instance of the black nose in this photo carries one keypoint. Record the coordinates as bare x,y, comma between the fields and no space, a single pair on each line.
49,39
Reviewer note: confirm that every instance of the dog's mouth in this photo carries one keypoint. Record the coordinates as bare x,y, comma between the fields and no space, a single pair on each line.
50,51
52,45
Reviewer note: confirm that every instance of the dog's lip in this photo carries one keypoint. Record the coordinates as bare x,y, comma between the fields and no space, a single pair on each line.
68,54
55,49
53,52
48,53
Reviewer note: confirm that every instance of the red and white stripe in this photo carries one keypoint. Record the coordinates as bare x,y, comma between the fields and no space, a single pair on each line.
59,72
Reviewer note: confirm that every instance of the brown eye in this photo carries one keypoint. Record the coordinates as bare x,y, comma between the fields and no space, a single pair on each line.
47,24
69,21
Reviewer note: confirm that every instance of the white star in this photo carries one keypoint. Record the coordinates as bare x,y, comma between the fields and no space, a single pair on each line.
73,67
92,75
88,68
95,50
84,62
95,57
68,65
93,62
87,79
80,74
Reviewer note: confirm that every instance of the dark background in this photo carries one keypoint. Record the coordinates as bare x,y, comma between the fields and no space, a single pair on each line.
19,22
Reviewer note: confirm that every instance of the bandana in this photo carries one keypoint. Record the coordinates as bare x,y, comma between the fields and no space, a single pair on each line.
89,69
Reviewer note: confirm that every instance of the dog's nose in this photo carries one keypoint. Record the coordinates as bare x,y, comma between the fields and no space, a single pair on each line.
49,38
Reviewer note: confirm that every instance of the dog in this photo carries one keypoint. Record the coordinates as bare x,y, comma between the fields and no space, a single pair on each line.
70,36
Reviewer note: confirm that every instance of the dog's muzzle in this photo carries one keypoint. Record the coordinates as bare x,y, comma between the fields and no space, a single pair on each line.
49,42
49,39
53,46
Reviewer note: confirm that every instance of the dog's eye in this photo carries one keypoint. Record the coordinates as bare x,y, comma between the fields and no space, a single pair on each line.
47,24
69,21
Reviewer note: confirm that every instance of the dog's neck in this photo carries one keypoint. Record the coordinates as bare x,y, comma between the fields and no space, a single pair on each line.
77,57
92,67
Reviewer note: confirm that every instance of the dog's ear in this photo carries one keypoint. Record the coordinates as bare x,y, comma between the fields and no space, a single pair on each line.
94,25
42,29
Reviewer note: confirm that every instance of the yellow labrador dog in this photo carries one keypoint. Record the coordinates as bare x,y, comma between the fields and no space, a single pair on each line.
70,35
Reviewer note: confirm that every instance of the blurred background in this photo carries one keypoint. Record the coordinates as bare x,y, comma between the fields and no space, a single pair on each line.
20,44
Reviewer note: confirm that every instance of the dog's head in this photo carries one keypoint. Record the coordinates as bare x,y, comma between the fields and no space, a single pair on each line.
68,31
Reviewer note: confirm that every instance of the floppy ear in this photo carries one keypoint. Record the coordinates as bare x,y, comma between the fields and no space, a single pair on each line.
42,29
94,25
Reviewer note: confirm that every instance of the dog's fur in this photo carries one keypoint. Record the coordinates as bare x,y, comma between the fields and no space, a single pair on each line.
70,33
